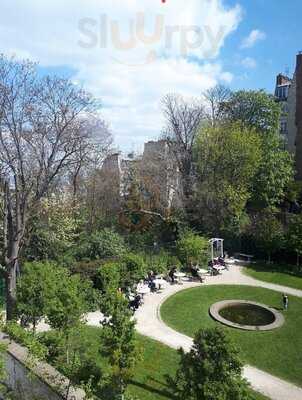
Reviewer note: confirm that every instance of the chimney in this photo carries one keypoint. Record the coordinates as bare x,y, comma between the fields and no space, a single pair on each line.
299,60
282,80
299,116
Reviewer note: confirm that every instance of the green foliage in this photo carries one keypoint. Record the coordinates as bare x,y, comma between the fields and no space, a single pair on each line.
86,269
81,364
294,191
256,109
268,232
53,229
108,277
99,245
132,269
18,334
192,248
275,173
227,159
122,273
4,390
294,235
45,289
68,301
62,299
118,343
34,289
161,262
211,370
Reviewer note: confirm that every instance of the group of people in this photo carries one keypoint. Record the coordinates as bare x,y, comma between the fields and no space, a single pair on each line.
135,300
217,262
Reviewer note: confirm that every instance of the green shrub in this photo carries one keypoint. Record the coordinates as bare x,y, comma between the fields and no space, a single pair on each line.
45,289
108,277
86,269
211,370
192,248
161,263
27,339
121,273
268,232
34,289
100,245
132,269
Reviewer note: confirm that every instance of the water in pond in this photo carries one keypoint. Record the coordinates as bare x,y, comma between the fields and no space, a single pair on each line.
247,314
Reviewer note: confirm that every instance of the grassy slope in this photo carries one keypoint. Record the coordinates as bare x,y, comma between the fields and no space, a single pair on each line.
278,352
279,274
149,382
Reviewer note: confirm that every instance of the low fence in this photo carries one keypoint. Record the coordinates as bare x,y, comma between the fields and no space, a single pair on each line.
34,381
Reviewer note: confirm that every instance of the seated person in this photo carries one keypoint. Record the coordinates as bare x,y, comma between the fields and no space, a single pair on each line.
135,303
171,274
221,261
194,271
151,275
151,285
140,285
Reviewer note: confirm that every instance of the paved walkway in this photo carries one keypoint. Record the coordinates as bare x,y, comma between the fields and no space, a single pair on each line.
149,323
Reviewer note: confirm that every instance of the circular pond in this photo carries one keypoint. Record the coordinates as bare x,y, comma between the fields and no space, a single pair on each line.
246,315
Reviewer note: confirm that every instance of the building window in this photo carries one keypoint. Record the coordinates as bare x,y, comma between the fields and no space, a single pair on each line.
282,92
283,127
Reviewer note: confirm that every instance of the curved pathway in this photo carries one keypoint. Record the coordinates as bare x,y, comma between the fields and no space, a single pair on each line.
149,323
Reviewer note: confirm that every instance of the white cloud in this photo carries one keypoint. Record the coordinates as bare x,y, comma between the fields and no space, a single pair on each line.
71,33
249,62
255,36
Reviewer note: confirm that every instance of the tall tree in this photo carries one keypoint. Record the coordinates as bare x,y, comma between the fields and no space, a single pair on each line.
183,118
259,110
268,232
294,236
227,158
118,342
215,99
254,108
211,370
41,134
275,173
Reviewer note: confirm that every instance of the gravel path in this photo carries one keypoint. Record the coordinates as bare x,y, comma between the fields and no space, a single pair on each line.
149,323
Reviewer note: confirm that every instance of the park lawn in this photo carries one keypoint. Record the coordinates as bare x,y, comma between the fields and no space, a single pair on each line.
158,360
278,352
275,273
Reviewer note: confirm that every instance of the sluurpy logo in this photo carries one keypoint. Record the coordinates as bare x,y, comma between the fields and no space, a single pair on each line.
139,37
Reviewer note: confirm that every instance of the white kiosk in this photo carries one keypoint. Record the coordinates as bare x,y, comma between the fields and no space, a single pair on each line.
216,248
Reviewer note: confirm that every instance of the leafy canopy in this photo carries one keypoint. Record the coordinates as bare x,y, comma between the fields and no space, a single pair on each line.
228,156
192,248
211,370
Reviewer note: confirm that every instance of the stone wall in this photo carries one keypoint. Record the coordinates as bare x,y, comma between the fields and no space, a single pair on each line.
34,381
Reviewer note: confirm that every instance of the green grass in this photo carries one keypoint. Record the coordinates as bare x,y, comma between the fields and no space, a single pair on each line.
158,360
278,352
275,273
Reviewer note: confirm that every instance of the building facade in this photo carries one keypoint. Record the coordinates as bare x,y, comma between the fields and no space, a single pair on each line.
288,92
155,172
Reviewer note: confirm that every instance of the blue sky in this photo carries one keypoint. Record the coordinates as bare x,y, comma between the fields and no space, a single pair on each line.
281,22
242,44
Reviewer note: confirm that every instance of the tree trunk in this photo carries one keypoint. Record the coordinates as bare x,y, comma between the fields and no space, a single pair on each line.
298,260
12,233
11,288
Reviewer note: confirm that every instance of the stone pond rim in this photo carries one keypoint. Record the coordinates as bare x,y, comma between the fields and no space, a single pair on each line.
217,307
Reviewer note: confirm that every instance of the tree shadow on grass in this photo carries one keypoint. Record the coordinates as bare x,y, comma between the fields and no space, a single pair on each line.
162,392
289,269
